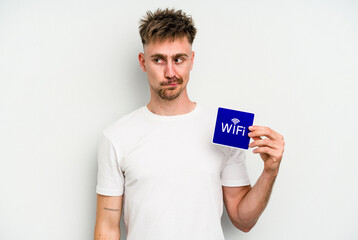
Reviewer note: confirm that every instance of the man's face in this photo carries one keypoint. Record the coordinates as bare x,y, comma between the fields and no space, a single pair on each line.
168,65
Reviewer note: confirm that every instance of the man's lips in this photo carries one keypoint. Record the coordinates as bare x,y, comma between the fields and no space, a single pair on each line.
170,84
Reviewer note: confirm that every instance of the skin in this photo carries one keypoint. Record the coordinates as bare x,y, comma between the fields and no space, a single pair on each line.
246,204
168,65
109,211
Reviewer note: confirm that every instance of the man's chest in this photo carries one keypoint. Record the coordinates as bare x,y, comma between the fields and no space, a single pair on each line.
170,155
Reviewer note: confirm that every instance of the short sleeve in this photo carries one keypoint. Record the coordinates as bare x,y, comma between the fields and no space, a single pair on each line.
234,173
110,178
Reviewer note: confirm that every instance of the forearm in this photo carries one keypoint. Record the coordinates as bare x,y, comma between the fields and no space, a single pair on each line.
107,233
108,217
255,201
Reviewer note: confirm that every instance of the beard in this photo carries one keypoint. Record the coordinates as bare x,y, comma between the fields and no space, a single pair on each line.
170,93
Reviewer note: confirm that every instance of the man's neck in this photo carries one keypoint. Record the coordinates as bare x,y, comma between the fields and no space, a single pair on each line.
178,106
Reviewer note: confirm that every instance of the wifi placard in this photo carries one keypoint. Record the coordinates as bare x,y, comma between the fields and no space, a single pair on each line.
232,127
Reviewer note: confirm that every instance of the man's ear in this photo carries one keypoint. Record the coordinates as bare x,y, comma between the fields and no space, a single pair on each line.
142,62
192,60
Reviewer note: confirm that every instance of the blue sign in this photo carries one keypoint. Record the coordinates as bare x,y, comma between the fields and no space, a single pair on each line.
232,127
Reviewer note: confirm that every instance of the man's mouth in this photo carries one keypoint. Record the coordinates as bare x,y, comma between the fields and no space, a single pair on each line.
172,83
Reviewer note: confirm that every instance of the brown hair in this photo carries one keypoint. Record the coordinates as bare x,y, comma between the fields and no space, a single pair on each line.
166,24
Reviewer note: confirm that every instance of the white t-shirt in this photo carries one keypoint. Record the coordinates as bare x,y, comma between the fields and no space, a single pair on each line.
170,173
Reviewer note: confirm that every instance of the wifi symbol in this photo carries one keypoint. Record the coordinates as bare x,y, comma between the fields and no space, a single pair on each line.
235,121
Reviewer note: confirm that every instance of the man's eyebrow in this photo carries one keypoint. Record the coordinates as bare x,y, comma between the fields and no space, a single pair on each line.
180,55
158,55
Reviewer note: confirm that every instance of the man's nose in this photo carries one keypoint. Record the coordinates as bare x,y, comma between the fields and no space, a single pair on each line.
169,70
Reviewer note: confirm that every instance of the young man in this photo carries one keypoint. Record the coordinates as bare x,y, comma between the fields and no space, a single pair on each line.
160,162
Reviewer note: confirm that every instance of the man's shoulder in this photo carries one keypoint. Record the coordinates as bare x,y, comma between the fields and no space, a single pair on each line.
207,115
124,123
207,111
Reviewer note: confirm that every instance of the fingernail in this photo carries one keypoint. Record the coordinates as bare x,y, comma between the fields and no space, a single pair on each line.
251,127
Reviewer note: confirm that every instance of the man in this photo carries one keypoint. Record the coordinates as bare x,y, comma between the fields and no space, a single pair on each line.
160,162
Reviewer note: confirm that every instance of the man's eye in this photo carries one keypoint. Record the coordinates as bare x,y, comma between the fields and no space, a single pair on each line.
158,60
178,60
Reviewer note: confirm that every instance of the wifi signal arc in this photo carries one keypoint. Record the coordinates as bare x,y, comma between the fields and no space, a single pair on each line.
235,121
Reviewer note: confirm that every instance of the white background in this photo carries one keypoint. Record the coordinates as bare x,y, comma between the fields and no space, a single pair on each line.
69,68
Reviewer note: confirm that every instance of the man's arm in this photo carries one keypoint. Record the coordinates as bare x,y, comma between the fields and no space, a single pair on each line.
245,204
108,218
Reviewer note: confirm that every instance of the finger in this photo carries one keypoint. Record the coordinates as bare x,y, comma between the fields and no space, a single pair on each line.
264,143
256,138
271,152
260,131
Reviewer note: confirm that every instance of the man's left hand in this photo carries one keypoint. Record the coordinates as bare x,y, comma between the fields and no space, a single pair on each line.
270,148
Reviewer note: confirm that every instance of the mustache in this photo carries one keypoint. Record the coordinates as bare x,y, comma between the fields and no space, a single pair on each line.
170,81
